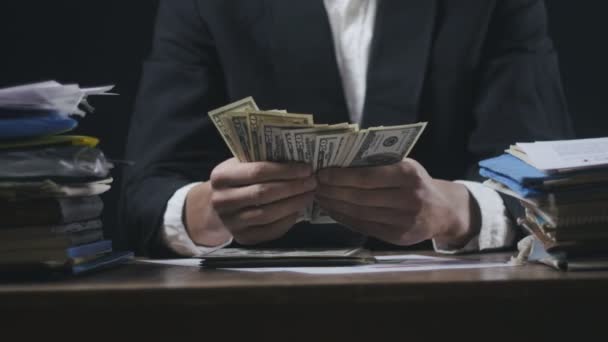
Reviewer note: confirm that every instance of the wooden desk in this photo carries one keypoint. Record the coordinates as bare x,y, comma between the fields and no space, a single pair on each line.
157,301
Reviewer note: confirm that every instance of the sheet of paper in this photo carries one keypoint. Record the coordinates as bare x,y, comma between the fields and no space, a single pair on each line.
49,96
190,262
567,154
393,263
103,90
409,257
372,269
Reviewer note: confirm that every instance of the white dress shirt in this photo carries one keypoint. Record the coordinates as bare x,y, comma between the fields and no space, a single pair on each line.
352,24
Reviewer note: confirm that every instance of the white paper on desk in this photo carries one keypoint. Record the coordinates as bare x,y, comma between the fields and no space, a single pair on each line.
394,263
189,262
567,154
409,257
390,263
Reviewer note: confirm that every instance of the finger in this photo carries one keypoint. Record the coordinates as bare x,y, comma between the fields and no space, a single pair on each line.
233,199
384,232
383,198
235,174
258,216
371,214
377,177
258,234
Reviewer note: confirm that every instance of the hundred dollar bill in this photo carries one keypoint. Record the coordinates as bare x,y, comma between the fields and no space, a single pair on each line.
257,120
385,145
244,105
375,146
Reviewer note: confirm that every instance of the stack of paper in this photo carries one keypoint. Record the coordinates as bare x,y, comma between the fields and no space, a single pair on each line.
50,96
563,188
50,184
254,135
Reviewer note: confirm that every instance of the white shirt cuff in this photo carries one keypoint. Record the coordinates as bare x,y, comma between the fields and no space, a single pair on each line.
496,228
174,233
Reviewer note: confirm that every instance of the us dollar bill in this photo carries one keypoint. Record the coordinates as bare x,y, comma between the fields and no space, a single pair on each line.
237,124
344,151
275,148
354,147
288,145
384,145
327,149
304,140
258,120
244,105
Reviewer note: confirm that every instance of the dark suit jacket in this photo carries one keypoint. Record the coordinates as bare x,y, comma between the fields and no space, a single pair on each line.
483,73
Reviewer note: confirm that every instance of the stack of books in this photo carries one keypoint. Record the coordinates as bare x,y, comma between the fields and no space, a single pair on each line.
563,186
50,182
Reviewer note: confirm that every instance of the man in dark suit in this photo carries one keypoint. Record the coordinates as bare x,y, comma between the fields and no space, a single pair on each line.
482,73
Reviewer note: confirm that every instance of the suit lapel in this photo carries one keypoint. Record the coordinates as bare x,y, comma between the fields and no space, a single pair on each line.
398,61
306,70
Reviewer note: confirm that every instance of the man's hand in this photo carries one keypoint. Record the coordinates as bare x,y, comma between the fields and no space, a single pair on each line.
255,202
399,204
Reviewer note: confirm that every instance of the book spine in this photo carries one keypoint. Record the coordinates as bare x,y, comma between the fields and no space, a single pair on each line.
100,247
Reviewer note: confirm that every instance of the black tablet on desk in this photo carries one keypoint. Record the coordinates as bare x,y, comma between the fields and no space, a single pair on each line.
248,258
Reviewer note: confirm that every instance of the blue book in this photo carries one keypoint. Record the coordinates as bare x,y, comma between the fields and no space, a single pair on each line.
90,249
103,262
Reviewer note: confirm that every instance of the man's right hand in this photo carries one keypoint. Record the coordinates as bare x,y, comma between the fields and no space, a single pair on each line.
255,202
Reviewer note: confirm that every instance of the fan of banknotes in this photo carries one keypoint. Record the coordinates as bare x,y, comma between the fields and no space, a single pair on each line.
278,136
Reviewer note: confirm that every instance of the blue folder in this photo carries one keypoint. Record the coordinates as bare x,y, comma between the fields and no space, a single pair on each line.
35,124
517,170
517,175
511,184
528,181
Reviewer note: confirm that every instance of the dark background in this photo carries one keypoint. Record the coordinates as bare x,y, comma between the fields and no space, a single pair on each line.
104,42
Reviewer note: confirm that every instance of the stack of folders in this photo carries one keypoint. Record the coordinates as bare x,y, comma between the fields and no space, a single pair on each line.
563,186
50,182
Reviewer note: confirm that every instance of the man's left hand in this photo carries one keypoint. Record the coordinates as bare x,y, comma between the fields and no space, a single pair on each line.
400,204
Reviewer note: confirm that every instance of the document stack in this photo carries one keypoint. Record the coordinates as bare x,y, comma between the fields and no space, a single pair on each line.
278,136
50,183
563,186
